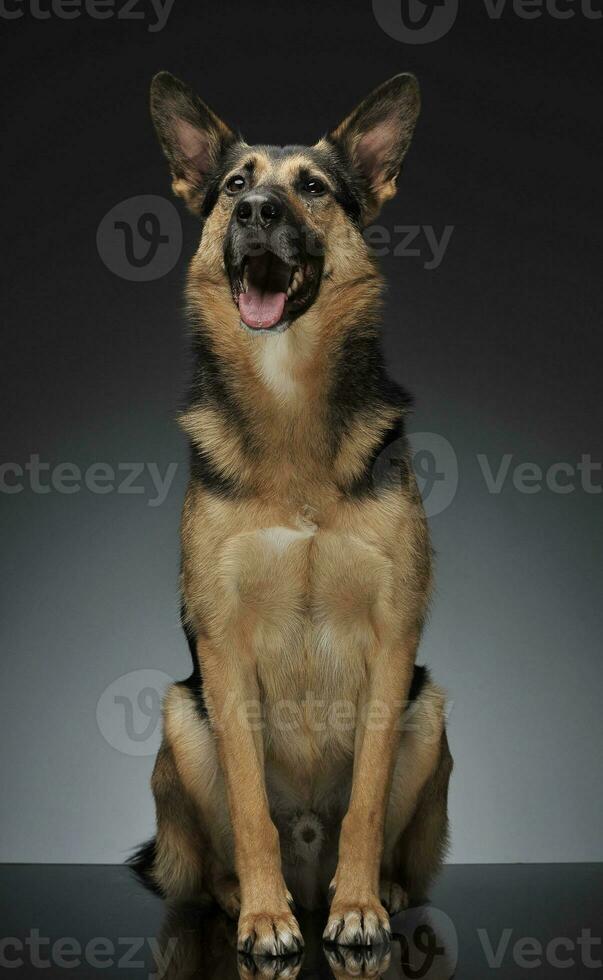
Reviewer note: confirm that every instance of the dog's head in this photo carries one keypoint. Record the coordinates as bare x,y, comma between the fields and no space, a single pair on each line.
282,225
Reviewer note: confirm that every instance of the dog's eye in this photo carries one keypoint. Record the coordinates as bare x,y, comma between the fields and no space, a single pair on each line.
234,185
313,186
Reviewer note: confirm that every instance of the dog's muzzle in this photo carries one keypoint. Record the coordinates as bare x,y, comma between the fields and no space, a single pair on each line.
274,265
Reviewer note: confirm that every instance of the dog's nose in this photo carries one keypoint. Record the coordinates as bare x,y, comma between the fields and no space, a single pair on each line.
259,209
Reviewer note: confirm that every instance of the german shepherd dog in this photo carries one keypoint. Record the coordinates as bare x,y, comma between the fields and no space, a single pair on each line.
306,756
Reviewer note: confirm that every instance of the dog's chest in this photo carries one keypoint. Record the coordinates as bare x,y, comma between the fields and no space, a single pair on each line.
308,602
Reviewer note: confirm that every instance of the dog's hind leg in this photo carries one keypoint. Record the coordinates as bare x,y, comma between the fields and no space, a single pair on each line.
172,862
191,857
416,831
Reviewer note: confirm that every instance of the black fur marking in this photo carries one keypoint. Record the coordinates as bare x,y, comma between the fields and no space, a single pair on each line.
420,678
212,193
210,386
282,152
348,184
142,862
361,385
194,683
203,470
351,189
213,185
360,380
374,478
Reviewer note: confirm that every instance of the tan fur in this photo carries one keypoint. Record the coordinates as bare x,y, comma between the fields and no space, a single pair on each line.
187,770
307,605
298,590
178,867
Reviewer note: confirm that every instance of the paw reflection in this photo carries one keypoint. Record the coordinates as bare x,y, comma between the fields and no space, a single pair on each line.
274,968
360,962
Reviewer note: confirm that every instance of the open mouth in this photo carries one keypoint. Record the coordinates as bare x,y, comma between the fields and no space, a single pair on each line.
270,292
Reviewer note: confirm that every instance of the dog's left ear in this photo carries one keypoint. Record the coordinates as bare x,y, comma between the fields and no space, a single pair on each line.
192,137
376,136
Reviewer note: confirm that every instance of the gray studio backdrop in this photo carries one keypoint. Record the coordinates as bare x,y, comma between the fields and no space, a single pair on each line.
490,322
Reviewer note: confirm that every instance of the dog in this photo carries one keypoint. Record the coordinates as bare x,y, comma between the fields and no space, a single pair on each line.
305,760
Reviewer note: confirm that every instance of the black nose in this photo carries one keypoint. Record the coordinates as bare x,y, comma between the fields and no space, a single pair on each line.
260,209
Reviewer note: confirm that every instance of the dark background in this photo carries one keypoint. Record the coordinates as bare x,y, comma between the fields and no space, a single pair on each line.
500,344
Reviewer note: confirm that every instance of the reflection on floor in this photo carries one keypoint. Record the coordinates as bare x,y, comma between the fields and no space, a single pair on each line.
423,945
505,921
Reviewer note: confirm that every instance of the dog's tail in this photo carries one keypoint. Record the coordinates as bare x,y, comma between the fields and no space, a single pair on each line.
142,863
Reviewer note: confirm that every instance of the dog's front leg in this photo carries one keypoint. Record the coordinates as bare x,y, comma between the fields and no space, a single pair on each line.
266,923
357,916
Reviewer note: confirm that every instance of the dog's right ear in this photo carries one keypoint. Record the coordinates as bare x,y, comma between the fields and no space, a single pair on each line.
192,137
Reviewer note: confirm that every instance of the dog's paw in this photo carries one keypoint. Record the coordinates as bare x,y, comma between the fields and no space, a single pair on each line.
364,963
364,923
269,934
393,897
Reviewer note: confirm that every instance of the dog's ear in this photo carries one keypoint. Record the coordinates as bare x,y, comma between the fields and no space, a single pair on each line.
192,137
376,136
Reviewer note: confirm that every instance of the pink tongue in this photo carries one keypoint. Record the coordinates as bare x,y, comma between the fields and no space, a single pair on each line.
261,310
